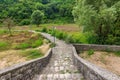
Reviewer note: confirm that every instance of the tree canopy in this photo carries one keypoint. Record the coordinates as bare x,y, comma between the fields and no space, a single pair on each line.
101,17
37,17
21,10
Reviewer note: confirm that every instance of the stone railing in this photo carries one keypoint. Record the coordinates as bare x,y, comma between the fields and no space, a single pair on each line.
84,47
26,70
89,70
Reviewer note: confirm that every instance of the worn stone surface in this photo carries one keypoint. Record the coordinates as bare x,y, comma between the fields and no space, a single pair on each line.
61,65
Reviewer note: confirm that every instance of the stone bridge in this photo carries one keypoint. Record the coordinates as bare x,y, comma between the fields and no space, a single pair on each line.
60,63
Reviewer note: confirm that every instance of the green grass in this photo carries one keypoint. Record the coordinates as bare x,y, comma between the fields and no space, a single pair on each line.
90,52
30,44
3,45
37,43
32,54
3,32
117,53
22,46
75,37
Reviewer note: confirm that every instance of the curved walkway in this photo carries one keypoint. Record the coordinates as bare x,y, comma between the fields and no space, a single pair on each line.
61,65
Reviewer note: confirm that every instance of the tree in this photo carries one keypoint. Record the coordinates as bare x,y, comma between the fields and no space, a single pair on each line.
37,17
9,23
99,17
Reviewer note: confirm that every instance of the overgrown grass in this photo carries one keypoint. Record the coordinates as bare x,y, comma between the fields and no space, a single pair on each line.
3,45
3,32
75,37
32,54
30,44
22,46
37,43
28,40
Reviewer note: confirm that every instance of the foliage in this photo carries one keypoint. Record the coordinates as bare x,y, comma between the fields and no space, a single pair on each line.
25,22
90,52
76,37
21,10
101,17
44,29
37,17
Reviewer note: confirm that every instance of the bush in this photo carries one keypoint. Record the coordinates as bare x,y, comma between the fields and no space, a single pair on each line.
44,29
91,38
69,39
50,31
24,22
59,34
90,52
79,38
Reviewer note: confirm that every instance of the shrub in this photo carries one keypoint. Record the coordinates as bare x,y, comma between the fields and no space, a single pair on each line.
69,39
50,31
90,52
44,29
25,22
59,34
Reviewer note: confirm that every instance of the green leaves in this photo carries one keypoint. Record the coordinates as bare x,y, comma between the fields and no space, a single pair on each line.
37,17
100,17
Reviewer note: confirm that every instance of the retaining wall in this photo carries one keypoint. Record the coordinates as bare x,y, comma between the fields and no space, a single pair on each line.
89,70
26,70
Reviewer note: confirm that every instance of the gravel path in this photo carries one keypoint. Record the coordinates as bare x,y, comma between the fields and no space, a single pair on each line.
61,65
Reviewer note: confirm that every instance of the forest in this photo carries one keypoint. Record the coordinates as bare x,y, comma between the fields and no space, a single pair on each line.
101,18
21,10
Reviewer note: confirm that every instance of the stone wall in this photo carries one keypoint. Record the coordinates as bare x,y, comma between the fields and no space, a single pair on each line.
26,70
84,47
89,70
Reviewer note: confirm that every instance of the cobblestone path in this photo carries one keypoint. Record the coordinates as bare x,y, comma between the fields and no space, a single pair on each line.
61,65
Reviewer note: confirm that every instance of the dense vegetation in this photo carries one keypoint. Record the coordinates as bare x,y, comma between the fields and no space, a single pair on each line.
21,10
101,18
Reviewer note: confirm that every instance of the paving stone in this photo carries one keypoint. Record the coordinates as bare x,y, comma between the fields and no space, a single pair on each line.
60,66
